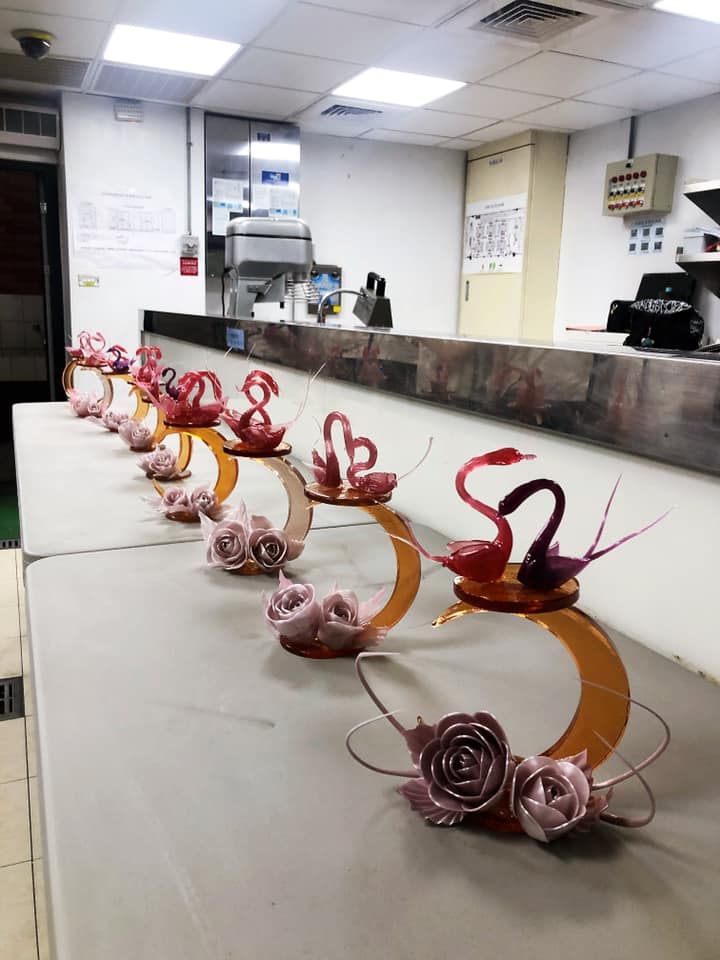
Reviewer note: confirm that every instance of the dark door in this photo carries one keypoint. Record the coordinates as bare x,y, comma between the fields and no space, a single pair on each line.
31,325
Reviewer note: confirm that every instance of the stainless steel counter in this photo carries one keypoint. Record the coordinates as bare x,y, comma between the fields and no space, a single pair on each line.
662,407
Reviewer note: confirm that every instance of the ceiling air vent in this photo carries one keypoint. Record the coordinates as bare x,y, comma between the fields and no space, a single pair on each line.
26,126
52,71
146,84
344,111
531,20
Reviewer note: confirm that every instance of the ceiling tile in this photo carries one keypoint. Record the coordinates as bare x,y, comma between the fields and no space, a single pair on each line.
559,75
290,70
239,22
498,131
441,54
459,144
651,91
643,38
73,37
331,128
422,12
402,136
436,123
575,115
250,98
97,10
702,66
492,102
321,32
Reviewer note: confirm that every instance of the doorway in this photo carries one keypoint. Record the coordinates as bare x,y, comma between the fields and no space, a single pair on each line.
31,317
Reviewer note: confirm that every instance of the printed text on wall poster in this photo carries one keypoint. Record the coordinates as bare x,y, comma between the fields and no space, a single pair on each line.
124,228
228,199
495,235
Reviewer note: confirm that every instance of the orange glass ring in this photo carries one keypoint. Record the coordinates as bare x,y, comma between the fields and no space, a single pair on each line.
142,404
106,377
599,711
407,559
68,378
300,509
227,471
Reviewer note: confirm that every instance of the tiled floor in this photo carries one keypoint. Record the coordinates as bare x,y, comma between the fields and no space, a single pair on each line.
23,930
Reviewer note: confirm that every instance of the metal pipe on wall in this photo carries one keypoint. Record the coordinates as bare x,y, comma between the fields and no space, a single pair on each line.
188,164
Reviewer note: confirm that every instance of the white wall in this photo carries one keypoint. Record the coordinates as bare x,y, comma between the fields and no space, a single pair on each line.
377,206
392,208
595,267
100,153
658,589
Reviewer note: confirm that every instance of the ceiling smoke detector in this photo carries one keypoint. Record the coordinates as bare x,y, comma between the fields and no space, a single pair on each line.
531,20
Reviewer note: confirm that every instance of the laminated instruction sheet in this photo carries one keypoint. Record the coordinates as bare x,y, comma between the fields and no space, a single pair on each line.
494,237
228,197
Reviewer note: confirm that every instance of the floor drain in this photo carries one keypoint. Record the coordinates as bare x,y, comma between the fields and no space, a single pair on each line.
12,699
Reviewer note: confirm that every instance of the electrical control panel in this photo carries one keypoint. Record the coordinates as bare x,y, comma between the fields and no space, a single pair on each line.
641,185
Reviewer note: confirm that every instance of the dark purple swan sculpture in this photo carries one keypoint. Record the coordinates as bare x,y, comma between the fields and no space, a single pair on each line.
544,568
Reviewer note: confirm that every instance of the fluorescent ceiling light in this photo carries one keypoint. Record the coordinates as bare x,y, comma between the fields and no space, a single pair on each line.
179,52
699,9
396,87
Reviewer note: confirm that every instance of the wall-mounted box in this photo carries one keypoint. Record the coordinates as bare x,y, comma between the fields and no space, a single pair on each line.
641,185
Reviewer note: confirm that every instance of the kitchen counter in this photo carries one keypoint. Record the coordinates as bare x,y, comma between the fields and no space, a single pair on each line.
658,406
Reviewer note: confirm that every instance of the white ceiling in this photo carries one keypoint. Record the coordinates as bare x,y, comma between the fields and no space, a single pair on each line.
627,59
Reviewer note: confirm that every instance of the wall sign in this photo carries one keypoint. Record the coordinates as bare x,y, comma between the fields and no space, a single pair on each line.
274,176
125,227
495,235
188,266
646,236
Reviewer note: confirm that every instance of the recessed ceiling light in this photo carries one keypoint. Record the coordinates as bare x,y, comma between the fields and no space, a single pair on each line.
699,9
396,87
179,52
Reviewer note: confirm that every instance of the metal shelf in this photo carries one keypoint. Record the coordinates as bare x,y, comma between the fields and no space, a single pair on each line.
706,196
705,267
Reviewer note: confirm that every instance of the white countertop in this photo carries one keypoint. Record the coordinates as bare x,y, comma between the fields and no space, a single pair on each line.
199,802
79,488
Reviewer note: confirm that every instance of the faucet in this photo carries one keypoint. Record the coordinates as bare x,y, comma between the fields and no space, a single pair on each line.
333,293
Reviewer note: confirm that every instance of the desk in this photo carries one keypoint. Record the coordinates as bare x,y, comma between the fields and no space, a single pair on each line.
79,488
199,802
